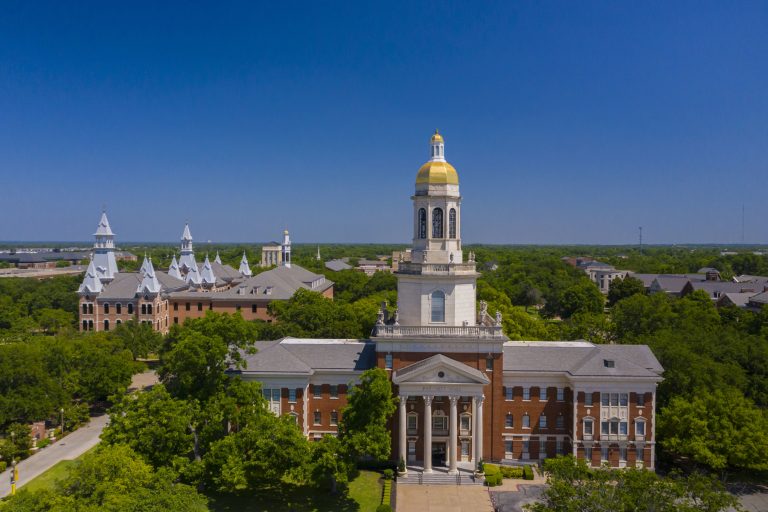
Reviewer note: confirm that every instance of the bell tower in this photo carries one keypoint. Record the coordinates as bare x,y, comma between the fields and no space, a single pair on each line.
437,288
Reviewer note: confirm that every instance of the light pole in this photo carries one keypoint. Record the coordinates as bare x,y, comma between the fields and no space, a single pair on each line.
14,476
62,421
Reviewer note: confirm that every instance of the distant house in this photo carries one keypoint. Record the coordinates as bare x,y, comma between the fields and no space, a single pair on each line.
370,267
600,273
758,301
337,265
669,284
739,300
716,289
43,259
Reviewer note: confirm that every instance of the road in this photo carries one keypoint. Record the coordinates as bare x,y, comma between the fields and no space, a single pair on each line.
68,448
71,447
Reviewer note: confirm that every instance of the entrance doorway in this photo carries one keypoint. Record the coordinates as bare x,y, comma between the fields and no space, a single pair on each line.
438,454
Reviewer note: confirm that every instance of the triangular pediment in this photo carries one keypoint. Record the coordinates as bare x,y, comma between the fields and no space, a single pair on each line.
439,369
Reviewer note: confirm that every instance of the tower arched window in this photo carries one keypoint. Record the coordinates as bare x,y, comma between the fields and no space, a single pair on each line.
452,223
438,306
437,223
130,308
422,223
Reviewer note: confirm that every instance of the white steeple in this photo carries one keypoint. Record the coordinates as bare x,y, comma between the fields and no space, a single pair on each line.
193,276
318,253
104,250
217,259
187,258
286,249
144,265
91,282
173,270
207,276
437,148
244,268
149,284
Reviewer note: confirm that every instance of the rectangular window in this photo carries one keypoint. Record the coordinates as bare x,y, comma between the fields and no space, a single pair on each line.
560,394
508,393
318,418
641,399
317,391
526,448
623,453
334,391
334,418
614,427
588,454
526,421
440,423
588,427
639,454
508,447
560,422
509,422
624,399
542,448
489,364
605,428
640,428
559,447
175,306
199,306
413,422
292,395
85,309
604,453
605,399
623,428
464,423
542,421
186,306
588,399
542,393
176,320
526,393
254,308
614,399
388,361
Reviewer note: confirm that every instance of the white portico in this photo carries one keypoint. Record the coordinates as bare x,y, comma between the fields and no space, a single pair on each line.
434,378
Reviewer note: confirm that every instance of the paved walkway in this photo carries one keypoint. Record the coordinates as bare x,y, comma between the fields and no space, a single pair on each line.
443,498
68,448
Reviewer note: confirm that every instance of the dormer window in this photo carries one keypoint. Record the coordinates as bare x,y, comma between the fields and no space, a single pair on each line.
609,363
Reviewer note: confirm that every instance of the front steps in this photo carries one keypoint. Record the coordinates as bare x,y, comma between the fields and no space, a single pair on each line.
438,477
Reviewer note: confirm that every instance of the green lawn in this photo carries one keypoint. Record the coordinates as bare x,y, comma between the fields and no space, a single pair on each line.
363,495
56,472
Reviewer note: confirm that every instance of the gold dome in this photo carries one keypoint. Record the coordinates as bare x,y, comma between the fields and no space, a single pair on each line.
436,172
437,137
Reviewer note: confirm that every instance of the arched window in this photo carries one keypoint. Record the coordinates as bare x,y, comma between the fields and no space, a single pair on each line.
149,309
452,223
413,423
437,223
422,223
106,309
85,309
85,325
438,306
90,309
143,309
118,308
106,325
130,308
90,325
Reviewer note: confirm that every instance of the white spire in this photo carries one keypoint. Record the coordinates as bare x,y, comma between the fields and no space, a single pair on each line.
91,282
173,270
187,258
149,284
193,276
437,148
318,253
244,268
104,250
207,276
217,259
144,265
286,249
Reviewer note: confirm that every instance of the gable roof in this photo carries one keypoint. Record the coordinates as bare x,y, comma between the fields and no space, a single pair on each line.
306,356
280,283
425,365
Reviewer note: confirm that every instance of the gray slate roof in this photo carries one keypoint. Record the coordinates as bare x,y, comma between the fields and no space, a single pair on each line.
337,265
280,283
581,359
305,356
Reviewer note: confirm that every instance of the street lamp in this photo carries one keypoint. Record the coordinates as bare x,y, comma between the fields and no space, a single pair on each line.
62,421
14,476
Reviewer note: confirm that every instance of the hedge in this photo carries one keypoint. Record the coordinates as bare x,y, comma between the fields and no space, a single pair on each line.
528,472
383,508
493,475
511,472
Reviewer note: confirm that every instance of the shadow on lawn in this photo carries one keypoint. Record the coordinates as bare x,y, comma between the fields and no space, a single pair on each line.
284,497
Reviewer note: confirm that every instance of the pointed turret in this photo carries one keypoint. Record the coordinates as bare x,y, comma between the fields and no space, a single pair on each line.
187,258
149,284
193,277
173,270
207,276
286,247
144,265
217,259
91,283
244,268
104,250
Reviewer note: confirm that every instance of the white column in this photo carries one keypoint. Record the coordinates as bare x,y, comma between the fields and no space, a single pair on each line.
474,460
403,426
479,428
427,434
452,435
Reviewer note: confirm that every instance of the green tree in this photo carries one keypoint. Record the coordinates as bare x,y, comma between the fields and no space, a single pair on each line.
141,339
582,297
195,366
54,320
623,288
364,420
638,315
155,425
721,430
329,465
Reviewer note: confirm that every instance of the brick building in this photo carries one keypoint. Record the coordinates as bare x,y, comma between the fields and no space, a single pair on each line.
467,393
186,290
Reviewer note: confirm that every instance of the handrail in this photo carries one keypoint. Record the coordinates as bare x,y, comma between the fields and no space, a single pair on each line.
438,331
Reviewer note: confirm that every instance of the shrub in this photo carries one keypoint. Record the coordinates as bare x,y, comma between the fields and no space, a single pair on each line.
3,465
401,465
528,472
492,475
481,466
43,442
384,508
510,472
388,474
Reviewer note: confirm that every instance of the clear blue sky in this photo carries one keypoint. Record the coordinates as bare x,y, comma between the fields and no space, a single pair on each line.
569,122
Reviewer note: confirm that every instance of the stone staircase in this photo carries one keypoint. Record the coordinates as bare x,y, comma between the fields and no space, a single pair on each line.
416,477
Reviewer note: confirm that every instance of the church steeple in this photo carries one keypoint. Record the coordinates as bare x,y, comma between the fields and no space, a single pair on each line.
187,257
103,258
286,248
217,259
